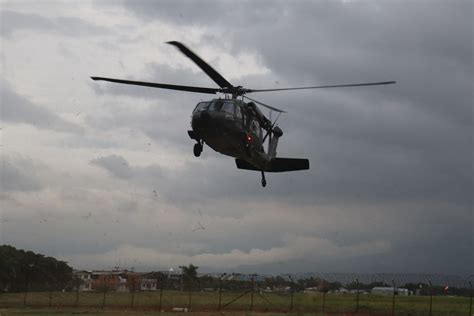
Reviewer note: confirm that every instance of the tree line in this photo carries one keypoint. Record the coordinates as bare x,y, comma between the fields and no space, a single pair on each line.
21,270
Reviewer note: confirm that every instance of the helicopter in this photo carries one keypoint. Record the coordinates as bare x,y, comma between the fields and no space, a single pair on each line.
234,127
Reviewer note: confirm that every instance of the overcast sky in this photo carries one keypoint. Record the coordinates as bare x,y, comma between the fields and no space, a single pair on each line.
103,175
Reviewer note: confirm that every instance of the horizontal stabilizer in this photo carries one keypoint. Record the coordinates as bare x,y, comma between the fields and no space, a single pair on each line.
277,165
288,164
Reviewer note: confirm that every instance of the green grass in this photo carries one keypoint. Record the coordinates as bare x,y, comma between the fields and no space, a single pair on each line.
92,312
146,303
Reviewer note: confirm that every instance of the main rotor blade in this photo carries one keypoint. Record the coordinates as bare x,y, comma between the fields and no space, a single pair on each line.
211,72
265,105
161,85
320,87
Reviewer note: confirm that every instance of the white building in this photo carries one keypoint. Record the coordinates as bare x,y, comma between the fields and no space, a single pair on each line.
390,290
149,284
84,280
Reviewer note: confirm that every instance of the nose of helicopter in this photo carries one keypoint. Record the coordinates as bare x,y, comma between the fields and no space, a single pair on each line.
201,119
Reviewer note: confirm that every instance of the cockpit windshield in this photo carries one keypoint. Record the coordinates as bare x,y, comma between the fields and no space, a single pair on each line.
223,105
201,106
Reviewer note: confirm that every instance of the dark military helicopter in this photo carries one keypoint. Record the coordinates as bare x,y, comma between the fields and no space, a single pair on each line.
234,127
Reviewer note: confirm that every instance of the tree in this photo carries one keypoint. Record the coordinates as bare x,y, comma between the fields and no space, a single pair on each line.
20,269
190,271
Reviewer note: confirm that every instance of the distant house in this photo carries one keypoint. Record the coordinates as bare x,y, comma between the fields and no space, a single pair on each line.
148,284
390,291
340,290
116,280
122,284
84,280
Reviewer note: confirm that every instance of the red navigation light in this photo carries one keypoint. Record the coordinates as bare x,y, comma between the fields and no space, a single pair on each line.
249,138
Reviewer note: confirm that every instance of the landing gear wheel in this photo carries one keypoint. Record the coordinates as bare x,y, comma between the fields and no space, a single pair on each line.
264,181
197,149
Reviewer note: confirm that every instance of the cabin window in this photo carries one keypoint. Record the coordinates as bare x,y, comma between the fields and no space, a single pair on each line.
201,106
254,127
238,112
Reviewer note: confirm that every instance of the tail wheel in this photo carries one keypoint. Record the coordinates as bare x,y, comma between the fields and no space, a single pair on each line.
264,181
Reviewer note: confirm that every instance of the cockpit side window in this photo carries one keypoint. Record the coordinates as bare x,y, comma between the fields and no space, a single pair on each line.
201,106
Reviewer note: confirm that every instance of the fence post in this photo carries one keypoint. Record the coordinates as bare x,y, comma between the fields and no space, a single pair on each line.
292,291
393,298
324,300
26,291
50,295
220,291
190,292
30,266
357,299
77,290
161,291
133,291
105,290
251,297
431,297
470,298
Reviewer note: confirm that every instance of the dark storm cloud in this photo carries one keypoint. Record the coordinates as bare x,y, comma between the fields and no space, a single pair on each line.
390,166
12,22
425,45
16,108
405,149
408,142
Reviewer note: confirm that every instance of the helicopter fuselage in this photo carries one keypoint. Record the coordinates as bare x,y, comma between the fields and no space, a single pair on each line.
230,127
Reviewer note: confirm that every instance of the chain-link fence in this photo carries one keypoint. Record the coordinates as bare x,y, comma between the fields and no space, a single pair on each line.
228,292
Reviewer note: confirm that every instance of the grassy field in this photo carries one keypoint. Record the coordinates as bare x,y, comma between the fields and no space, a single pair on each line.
146,303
